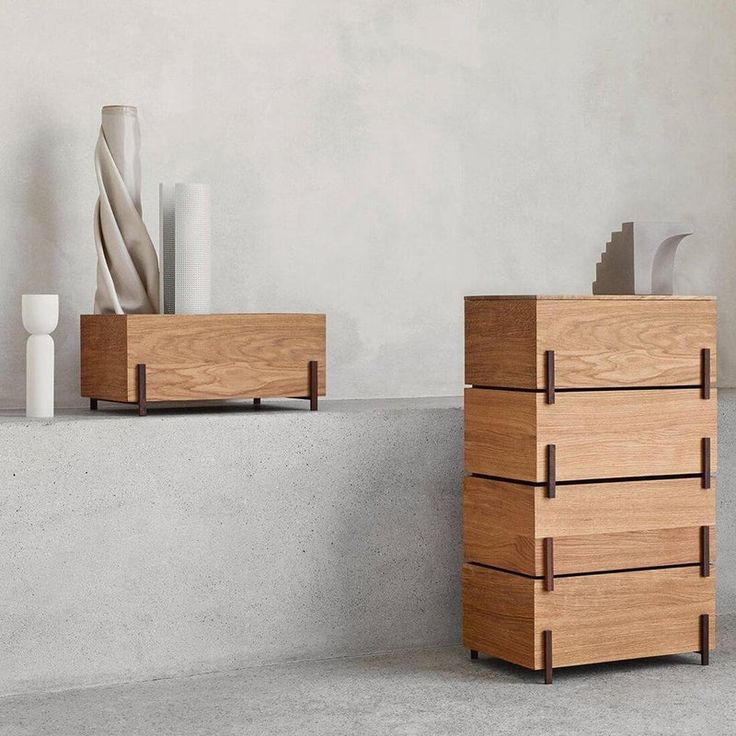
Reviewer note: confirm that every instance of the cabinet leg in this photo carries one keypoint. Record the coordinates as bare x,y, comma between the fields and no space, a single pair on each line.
142,407
93,404
313,385
256,402
473,654
547,635
704,639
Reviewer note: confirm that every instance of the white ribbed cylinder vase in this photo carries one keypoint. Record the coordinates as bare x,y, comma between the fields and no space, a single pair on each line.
40,314
186,248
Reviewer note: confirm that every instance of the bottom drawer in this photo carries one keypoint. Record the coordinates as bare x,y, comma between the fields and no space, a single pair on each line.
593,618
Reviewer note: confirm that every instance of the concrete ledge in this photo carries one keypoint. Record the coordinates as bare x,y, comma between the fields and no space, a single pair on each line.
191,541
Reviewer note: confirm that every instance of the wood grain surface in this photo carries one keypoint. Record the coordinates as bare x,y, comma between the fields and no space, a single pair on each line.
217,356
498,614
500,343
593,618
600,618
599,343
600,526
593,297
598,434
103,356
613,343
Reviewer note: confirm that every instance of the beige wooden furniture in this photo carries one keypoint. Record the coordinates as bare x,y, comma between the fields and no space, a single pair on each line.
140,358
590,441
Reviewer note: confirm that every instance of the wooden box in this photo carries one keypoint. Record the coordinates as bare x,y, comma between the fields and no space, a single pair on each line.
594,526
589,508
201,357
596,434
598,341
592,618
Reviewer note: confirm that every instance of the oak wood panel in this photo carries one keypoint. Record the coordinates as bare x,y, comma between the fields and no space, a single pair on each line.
601,508
625,343
498,614
624,550
498,524
500,343
221,356
103,356
598,434
601,341
501,433
605,434
600,526
593,618
593,297
599,618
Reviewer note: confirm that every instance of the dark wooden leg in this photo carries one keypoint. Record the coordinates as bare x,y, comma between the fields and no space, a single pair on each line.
473,654
142,408
93,404
256,402
313,385
704,639
547,634
705,551
549,563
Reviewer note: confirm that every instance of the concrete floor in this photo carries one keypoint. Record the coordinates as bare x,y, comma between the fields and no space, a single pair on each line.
433,693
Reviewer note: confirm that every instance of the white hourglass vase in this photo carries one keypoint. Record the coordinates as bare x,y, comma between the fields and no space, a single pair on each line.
40,318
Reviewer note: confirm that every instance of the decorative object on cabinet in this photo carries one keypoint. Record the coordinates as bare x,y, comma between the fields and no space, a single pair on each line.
140,359
127,266
589,508
40,314
185,248
640,258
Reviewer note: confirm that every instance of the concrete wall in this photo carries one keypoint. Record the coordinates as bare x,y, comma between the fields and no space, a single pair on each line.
375,160
136,548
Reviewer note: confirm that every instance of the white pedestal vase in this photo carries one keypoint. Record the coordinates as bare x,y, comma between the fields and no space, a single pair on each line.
40,318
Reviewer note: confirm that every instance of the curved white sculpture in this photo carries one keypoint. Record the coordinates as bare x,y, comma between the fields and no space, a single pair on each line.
127,266
640,258
40,317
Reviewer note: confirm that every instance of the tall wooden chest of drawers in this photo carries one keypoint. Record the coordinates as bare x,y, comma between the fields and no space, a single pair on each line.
589,501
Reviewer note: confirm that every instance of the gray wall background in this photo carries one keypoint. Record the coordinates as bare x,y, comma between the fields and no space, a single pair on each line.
374,159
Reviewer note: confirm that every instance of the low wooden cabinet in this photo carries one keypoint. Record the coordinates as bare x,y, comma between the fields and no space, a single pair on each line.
144,358
589,502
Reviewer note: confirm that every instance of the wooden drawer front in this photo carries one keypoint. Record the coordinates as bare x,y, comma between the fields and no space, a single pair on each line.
596,526
623,342
593,618
597,434
598,342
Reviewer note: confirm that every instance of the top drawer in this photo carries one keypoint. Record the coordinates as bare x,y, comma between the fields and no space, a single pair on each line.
598,342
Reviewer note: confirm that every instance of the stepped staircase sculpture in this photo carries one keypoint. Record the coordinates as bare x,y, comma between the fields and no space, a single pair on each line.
640,258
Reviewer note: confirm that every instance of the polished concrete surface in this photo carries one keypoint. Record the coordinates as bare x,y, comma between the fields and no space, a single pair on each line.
434,692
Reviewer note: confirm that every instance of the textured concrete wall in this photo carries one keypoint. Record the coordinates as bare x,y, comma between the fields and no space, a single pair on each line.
135,548
726,516
372,159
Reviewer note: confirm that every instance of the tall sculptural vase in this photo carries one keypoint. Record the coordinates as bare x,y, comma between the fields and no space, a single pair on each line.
127,266
40,316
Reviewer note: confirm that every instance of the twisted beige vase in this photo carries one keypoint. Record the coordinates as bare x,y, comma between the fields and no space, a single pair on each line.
127,266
